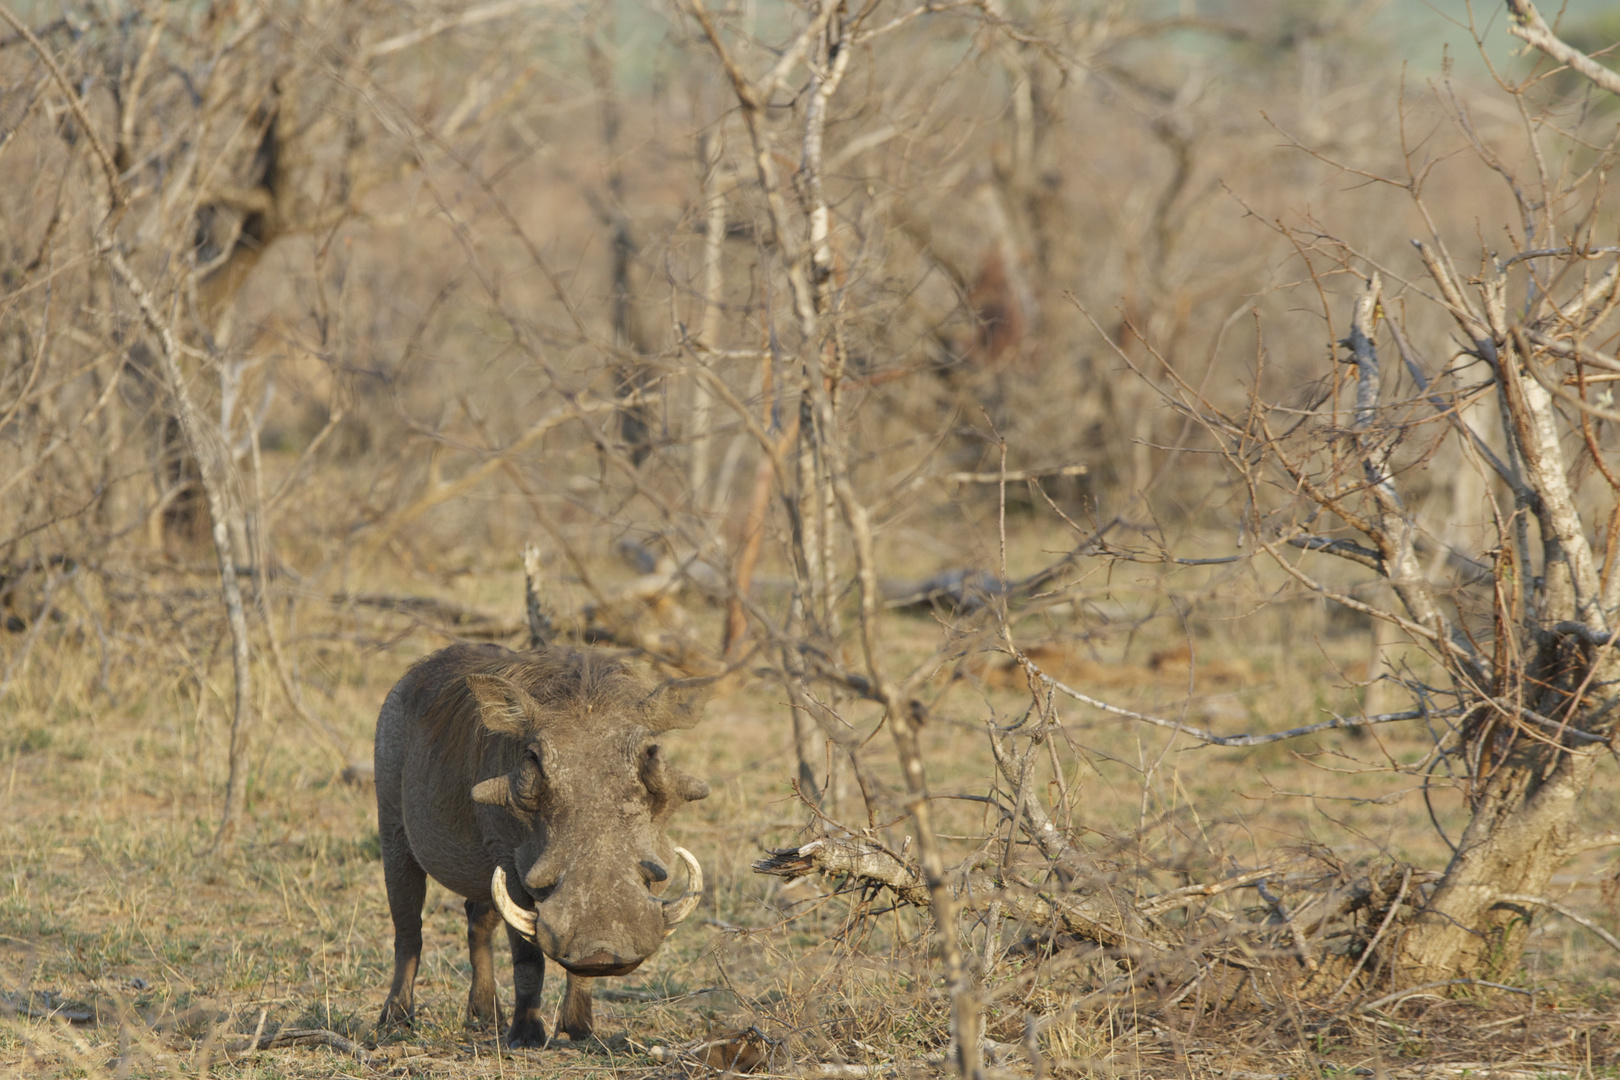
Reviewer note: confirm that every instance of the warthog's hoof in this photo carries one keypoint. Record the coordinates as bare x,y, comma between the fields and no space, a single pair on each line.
396,1015
526,1031
482,1012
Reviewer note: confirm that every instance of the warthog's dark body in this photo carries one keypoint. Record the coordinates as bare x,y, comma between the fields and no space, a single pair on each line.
573,798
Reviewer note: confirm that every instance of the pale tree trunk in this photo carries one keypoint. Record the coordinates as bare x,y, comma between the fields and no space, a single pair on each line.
712,148
1382,641
1522,831
209,449
1535,695
206,445
1531,747
807,263
631,376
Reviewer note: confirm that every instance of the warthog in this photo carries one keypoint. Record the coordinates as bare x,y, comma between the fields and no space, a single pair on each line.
533,785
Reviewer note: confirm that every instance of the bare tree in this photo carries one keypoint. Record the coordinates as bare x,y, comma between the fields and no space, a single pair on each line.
212,137
1521,626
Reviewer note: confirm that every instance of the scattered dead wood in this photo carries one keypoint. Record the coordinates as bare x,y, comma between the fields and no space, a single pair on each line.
1094,911
745,1051
303,1037
1166,667
645,615
955,590
1317,926
49,1005
288,1038
429,610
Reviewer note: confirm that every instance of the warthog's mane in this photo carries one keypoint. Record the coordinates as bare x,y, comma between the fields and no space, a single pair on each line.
570,685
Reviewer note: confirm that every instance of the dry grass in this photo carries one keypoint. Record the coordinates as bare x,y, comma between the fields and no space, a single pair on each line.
159,954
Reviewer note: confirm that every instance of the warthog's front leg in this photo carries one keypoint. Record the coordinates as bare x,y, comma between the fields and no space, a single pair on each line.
575,1017
482,1005
407,889
528,976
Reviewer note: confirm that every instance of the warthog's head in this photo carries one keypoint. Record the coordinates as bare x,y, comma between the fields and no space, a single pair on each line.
592,793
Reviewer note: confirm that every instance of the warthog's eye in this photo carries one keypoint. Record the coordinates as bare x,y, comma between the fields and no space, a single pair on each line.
529,780
652,772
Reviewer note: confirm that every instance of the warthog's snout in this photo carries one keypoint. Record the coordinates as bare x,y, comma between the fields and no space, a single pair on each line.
602,962
608,942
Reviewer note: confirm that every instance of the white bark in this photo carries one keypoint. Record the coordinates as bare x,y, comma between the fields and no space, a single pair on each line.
1528,25
207,446
714,235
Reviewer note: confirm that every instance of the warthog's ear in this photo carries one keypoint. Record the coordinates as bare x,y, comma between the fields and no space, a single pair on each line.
503,706
679,703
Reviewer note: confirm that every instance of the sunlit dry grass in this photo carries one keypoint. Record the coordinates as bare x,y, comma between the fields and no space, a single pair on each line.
114,913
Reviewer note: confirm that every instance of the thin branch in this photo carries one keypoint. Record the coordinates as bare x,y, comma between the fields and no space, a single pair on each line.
795,53
1352,603
440,492
1100,916
1165,901
470,17
1528,25
1034,820
1586,633
1441,406
1547,253
1013,476
1389,917
1569,350
118,195
1424,988
1594,842
1233,740
1559,392
1541,901
302,1037
1344,549
207,448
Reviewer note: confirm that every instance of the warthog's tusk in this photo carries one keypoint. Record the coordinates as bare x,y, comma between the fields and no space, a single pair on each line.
679,908
522,921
